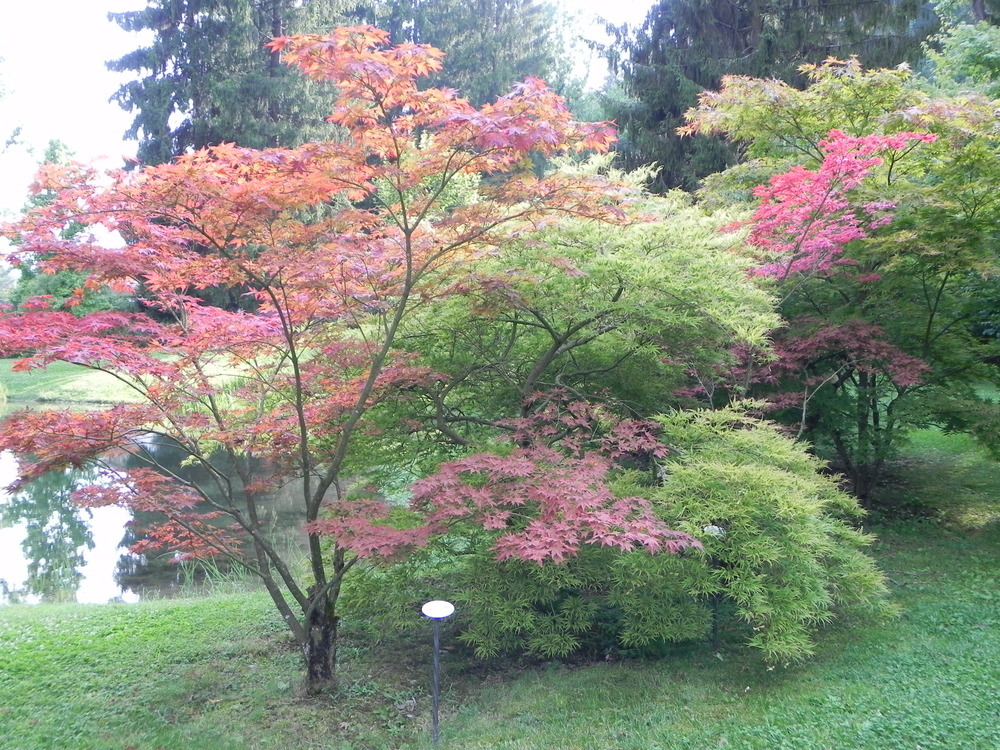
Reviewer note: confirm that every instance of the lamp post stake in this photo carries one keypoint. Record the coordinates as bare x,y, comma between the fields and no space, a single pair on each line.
435,699
437,611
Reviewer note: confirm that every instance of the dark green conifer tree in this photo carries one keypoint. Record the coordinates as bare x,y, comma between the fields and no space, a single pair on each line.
686,46
206,77
491,44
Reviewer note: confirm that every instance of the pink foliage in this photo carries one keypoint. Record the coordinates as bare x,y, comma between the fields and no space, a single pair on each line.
544,504
815,355
807,217
59,440
142,490
291,385
574,424
857,343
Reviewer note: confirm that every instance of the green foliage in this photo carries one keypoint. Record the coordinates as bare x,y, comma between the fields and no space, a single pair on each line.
780,551
966,57
687,46
615,314
62,287
778,121
789,557
954,12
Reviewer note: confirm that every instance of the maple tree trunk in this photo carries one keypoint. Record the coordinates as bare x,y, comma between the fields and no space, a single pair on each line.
321,648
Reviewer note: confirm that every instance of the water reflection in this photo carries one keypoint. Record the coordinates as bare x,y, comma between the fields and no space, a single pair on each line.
55,537
51,550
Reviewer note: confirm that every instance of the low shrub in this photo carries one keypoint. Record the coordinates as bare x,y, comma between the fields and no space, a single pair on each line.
780,551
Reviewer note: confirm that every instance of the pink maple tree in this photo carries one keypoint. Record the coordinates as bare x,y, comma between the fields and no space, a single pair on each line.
803,230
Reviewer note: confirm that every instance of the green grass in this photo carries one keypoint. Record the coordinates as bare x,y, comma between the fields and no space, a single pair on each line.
220,672
206,674
926,680
62,382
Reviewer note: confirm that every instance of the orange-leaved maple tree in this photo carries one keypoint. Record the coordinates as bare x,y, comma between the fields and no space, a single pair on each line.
333,245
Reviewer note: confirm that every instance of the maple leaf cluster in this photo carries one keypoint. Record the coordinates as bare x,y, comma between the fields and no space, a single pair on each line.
544,504
364,525
818,354
807,217
551,493
376,80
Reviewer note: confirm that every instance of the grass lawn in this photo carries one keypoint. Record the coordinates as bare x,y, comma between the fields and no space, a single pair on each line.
219,672
62,382
930,679
206,674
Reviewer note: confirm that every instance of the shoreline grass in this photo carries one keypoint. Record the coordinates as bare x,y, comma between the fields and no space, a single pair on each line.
62,382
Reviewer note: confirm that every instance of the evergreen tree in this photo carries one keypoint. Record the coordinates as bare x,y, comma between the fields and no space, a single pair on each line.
490,44
206,77
686,46
37,284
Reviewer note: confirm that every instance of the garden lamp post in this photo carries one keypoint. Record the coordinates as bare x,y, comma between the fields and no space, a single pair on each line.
719,533
437,611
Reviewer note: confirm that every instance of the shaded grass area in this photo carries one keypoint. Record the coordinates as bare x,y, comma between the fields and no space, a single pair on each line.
221,673
948,477
61,381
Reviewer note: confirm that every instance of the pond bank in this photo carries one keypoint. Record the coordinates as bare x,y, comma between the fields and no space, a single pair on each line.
61,383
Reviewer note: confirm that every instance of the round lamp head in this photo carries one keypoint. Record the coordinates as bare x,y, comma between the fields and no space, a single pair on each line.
438,610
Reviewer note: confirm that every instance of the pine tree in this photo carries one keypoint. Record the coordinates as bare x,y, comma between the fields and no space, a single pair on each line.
206,78
490,44
686,46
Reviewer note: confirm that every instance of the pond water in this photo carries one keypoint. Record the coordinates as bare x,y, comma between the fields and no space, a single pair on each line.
51,550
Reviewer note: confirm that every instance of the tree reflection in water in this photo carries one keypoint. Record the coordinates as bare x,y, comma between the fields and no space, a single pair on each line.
63,545
55,539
